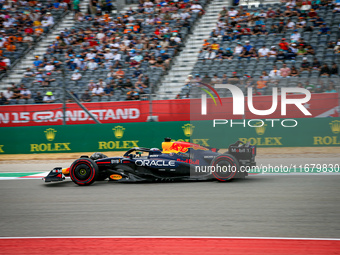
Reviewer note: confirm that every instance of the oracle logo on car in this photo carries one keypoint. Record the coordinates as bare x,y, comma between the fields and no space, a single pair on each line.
140,162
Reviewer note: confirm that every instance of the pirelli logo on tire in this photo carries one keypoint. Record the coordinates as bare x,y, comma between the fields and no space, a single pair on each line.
50,135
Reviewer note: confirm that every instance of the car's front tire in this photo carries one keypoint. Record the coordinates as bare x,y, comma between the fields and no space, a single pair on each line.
84,171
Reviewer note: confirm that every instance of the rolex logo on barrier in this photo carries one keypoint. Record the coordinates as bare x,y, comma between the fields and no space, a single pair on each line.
329,140
188,129
335,126
50,135
118,132
261,128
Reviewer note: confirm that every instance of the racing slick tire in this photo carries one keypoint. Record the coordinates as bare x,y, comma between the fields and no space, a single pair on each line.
227,167
84,171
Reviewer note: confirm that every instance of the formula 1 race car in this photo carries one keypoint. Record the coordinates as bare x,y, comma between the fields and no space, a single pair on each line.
178,161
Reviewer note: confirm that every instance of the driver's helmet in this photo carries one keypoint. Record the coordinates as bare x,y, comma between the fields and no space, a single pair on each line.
97,155
155,149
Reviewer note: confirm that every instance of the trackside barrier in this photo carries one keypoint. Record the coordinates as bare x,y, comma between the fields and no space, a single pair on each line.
117,137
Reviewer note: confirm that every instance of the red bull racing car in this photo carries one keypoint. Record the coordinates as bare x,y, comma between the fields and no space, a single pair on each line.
177,161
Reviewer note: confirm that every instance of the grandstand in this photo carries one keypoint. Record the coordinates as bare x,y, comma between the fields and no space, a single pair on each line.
167,48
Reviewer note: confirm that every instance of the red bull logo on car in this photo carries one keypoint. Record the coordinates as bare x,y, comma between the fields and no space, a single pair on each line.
183,147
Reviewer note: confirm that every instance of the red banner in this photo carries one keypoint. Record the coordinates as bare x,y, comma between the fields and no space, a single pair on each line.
320,105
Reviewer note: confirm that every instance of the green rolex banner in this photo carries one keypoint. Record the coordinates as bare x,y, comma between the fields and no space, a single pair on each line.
308,132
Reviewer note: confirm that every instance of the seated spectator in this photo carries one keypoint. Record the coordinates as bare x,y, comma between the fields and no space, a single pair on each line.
28,39
86,96
97,91
294,72
273,29
46,80
290,55
3,99
3,65
281,56
334,69
128,83
319,89
305,65
137,72
91,65
210,54
197,78
290,24
166,58
325,71
49,98
285,71
301,50
331,89
16,93
301,23
238,49
108,90
8,93
261,85
234,79
37,62
272,52
228,54
232,12
263,52
91,85
247,46
284,45
324,29
295,36
25,93
119,73
38,98
160,62
206,79
316,64
253,53
224,79
271,13
293,47
132,95
216,80
76,76
337,7
275,73
70,99
29,72
265,76
245,54
309,50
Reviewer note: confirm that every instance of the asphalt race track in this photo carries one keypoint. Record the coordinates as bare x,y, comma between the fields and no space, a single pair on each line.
274,205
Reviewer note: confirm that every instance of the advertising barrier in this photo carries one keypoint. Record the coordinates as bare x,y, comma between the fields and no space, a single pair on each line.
320,105
119,137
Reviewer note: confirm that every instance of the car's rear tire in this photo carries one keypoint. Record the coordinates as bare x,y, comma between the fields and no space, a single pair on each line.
226,166
84,171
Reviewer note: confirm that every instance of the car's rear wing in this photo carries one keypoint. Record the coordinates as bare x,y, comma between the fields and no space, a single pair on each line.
244,152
